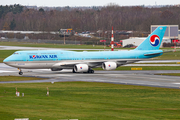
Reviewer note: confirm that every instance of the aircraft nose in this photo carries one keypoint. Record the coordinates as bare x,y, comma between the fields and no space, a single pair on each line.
6,59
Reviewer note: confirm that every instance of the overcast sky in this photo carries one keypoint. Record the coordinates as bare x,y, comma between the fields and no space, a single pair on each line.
73,3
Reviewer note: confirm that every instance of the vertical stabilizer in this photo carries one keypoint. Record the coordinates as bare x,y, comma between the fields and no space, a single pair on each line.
154,40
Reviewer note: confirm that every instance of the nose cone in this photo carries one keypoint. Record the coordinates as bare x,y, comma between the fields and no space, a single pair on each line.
5,60
8,59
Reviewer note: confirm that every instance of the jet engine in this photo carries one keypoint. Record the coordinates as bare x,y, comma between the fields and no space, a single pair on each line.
81,68
109,65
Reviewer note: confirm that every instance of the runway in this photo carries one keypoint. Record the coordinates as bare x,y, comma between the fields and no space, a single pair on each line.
144,78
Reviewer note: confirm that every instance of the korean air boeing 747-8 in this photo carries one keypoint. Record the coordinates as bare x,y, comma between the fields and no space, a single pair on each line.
85,61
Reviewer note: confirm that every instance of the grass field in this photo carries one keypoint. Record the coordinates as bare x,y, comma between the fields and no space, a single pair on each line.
88,101
15,78
170,74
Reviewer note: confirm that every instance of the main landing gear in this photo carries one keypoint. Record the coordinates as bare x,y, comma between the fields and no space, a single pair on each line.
20,71
89,71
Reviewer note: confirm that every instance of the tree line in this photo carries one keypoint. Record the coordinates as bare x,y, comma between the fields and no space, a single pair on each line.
136,18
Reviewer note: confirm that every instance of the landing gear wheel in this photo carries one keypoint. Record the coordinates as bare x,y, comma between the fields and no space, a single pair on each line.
73,71
20,73
91,71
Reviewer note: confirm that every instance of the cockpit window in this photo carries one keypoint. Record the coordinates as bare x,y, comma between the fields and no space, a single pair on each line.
15,53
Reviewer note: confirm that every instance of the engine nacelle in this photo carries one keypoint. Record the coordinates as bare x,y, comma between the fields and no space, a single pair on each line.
109,65
81,68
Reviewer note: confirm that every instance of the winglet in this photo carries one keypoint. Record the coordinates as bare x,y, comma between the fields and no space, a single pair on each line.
153,41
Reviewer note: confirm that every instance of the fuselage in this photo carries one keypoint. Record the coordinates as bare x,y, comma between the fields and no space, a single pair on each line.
47,59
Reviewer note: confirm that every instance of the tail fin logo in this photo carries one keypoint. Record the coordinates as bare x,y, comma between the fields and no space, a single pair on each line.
154,40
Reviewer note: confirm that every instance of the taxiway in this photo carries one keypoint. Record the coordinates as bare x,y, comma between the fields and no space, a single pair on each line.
144,78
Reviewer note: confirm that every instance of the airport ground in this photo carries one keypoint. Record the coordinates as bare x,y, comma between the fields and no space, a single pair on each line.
121,94
143,77
88,101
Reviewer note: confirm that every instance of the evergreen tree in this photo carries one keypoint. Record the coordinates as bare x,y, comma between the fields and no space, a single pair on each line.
13,24
6,26
41,10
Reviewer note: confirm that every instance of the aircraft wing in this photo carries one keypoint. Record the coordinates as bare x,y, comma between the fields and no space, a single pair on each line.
92,64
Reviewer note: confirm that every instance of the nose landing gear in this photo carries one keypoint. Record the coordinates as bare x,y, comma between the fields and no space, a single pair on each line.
20,71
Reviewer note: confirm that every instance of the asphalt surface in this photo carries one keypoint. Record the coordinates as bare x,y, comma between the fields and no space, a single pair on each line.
144,78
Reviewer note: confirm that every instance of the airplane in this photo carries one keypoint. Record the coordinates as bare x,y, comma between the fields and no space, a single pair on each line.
83,62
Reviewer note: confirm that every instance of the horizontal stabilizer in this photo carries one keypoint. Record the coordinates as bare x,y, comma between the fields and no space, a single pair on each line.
149,54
